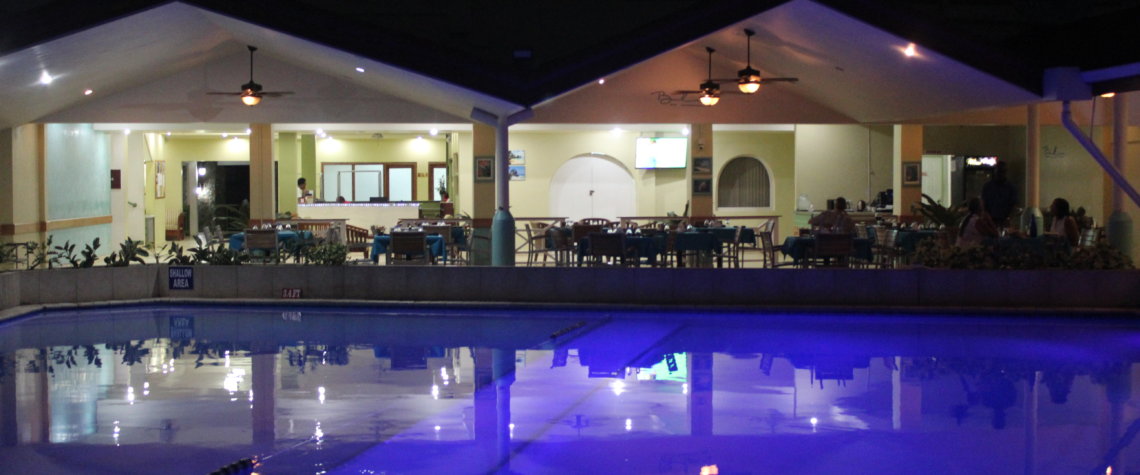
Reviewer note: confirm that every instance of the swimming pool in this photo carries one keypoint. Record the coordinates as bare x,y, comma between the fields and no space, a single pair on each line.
474,389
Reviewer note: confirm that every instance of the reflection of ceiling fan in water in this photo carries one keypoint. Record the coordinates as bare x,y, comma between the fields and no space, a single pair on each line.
251,92
748,80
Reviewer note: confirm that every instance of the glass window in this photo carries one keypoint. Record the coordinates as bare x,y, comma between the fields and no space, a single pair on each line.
744,182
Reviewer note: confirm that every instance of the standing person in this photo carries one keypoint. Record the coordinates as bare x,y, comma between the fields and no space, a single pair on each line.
999,196
304,196
1063,223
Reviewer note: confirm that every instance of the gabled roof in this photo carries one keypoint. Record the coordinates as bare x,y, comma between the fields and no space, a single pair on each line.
450,57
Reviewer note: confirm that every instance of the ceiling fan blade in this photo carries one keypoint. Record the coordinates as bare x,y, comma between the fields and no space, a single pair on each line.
211,93
275,93
763,80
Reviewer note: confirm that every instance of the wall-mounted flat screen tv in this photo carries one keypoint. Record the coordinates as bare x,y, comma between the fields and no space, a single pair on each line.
662,152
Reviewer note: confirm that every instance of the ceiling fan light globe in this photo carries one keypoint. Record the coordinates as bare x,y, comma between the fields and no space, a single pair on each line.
749,87
749,80
710,99
250,99
710,88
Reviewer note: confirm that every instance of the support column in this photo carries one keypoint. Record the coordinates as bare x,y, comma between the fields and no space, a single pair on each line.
1119,229
1032,220
503,224
22,192
482,194
906,399
504,373
700,146
1031,398
485,406
288,170
261,202
309,165
907,148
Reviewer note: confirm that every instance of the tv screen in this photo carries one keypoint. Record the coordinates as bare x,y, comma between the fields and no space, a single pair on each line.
662,152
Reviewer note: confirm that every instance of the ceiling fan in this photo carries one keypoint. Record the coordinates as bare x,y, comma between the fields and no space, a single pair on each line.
748,80
710,90
251,92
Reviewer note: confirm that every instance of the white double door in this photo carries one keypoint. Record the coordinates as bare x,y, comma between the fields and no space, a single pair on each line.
592,187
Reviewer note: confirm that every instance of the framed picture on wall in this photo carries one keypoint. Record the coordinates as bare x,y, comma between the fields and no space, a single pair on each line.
517,172
159,179
517,157
484,168
702,166
702,186
912,173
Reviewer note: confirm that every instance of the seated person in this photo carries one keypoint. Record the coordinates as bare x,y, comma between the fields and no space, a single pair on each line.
1064,224
835,220
976,226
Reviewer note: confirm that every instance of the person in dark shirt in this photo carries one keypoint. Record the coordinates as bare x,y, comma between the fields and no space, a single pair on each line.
999,196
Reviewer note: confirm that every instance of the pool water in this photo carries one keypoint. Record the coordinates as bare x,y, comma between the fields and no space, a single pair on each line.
451,389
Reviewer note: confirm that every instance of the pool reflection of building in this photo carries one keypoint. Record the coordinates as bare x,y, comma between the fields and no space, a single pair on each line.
816,404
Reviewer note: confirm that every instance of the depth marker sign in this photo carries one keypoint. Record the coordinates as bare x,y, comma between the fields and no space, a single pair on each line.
181,278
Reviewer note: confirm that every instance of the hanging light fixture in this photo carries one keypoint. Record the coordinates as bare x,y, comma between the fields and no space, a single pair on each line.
710,90
749,77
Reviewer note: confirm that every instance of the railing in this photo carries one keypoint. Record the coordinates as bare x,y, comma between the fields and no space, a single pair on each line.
764,220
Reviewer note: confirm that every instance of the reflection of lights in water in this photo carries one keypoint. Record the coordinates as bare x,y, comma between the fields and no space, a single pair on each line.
684,388
617,386
146,388
233,379
710,470
628,425
319,434
512,427
814,421
227,354
443,374
131,394
437,428
321,394
435,391
115,433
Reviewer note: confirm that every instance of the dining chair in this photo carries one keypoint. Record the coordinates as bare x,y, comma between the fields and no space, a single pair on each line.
832,250
444,233
730,252
581,231
560,246
609,246
536,243
883,249
261,244
409,248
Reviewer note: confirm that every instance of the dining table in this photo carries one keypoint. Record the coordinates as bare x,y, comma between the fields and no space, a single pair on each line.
703,243
797,248
290,238
647,247
436,246
728,234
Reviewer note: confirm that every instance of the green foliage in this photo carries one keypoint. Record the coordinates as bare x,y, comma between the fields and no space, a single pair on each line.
129,251
175,255
326,254
42,254
938,214
231,218
218,256
1019,255
86,258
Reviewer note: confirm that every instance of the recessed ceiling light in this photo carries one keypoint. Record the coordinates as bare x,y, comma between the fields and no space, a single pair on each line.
602,81
359,69
615,130
224,135
168,134
685,131
88,92
434,131
910,51
126,131
248,131
46,78
1108,95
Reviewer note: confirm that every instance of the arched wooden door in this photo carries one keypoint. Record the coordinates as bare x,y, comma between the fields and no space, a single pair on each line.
592,186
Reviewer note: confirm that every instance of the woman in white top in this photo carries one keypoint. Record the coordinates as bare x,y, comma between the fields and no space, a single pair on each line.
976,226
1063,223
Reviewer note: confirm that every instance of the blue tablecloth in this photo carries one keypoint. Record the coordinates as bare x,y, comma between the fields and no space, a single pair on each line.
287,237
727,234
796,247
646,247
434,241
906,240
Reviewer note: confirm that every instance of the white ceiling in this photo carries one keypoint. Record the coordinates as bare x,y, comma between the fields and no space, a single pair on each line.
156,67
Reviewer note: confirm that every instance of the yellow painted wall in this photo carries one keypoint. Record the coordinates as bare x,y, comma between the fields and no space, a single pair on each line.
776,150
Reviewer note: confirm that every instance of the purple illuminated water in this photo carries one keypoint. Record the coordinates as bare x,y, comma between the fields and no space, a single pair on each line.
519,390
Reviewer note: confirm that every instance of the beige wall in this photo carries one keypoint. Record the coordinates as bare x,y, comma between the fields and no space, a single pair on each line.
776,150
1070,172
546,151
20,179
852,161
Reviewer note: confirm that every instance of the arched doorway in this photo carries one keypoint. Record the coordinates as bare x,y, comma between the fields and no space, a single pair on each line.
592,186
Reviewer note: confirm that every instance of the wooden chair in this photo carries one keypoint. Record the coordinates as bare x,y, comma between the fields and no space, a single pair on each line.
613,247
359,239
581,231
731,250
832,250
409,248
536,243
561,247
261,244
884,250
